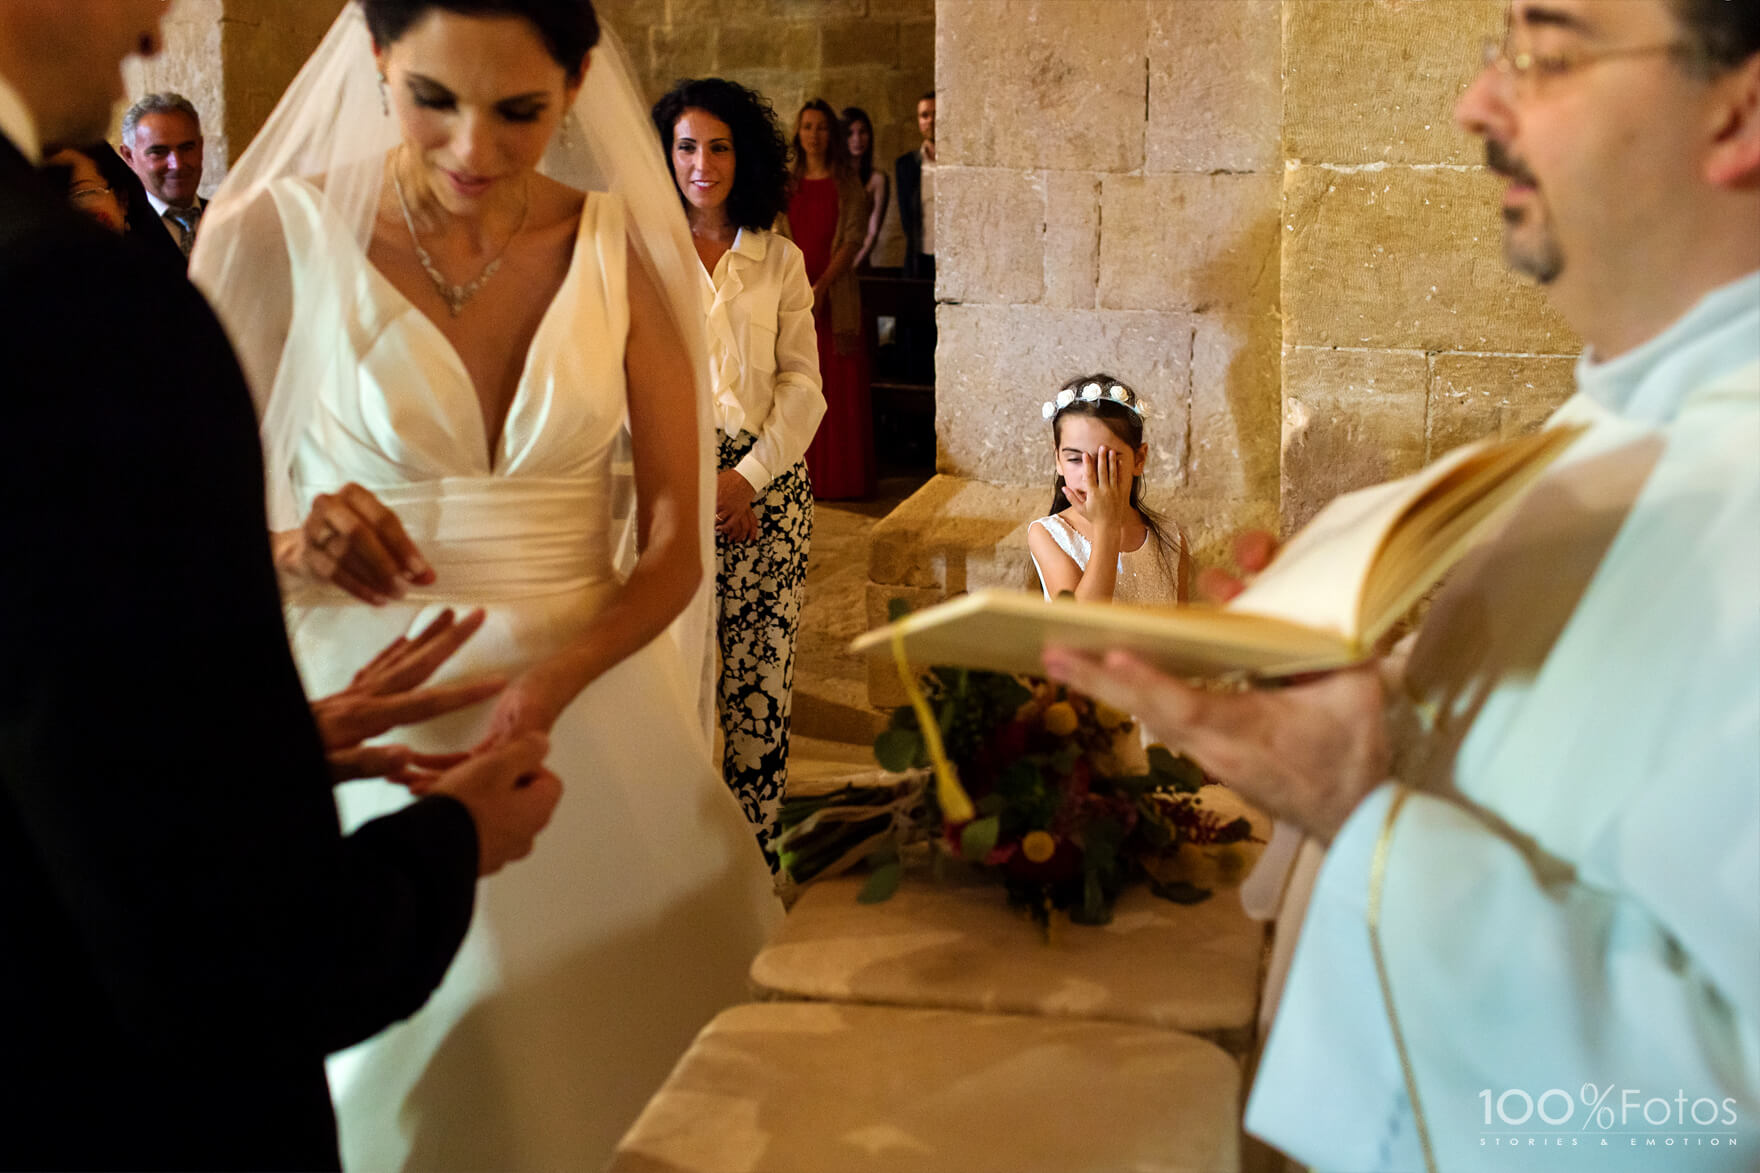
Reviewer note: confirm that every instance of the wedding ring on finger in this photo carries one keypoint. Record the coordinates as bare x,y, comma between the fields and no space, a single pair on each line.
322,539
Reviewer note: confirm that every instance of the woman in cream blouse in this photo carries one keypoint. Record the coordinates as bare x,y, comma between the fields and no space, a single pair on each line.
730,162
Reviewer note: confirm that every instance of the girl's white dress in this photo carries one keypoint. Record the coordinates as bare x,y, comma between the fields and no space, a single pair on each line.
1142,575
590,965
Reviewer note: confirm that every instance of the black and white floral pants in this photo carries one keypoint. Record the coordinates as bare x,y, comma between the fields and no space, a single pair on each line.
760,588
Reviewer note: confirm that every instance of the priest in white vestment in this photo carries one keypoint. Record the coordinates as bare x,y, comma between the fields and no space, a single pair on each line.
1535,939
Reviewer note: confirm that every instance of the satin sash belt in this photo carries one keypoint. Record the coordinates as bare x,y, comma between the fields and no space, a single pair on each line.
506,537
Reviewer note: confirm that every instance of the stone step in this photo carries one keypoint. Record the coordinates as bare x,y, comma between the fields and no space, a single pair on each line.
836,714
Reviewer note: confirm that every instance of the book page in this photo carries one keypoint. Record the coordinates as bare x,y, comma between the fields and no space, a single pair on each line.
1008,631
1318,578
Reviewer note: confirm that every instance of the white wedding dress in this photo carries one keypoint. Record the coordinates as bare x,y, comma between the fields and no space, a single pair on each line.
590,965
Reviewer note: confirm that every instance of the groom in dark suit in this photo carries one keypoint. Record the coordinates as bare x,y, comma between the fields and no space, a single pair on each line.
184,933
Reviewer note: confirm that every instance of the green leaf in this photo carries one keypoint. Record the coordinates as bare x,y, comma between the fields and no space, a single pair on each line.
881,884
896,609
1100,843
896,749
1093,910
1134,785
1179,891
946,715
1175,773
978,838
1064,760
1150,825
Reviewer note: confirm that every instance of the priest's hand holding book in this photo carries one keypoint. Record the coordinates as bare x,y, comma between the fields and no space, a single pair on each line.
1306,753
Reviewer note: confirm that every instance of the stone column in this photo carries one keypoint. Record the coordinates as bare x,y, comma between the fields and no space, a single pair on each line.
1108,200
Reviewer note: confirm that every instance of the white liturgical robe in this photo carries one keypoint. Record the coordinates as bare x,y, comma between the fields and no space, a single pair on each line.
1567,867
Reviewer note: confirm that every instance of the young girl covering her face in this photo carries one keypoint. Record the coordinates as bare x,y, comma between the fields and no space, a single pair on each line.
1100,543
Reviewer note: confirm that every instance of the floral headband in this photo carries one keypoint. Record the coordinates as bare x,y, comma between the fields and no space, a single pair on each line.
1092,393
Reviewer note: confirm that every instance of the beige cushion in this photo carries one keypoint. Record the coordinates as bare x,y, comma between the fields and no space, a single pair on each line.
960,946
807,1087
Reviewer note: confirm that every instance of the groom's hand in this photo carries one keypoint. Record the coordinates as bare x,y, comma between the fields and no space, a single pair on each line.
510,796
386,693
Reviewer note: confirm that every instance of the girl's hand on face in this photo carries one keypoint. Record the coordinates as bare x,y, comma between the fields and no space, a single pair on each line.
1108,502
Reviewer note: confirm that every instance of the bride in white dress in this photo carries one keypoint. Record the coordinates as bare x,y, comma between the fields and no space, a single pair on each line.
450,346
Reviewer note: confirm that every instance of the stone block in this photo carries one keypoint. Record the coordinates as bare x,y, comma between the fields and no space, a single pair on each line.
996,365
946,535
791,46
903,10
884,688
1042,83
808,9
1350,418
1072,238
916,53
952,535
1235,408
1369,81
999,219
866,86
858,42
784,88
1473,396
1200,243
1211,523
630,19
686,50
680,12
1215,86
1406,258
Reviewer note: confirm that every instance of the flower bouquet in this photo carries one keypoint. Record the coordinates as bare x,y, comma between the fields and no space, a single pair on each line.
1048,791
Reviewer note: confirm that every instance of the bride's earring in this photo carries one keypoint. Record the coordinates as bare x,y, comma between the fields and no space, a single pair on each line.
384,98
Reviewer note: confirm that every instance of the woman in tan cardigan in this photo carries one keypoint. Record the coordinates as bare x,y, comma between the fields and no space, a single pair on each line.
828,217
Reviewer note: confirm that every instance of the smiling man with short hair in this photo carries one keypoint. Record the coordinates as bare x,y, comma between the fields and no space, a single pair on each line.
162,143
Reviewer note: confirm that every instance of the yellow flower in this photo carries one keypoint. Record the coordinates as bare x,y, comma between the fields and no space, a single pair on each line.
1060,719
1109,717
1038,846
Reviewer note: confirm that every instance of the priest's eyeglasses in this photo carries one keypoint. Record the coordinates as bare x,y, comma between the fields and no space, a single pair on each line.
88,193
1528,70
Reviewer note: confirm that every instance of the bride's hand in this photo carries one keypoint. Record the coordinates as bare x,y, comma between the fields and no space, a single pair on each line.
530,704
351,539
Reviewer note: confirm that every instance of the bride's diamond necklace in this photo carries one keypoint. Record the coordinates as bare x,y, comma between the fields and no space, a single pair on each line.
456,296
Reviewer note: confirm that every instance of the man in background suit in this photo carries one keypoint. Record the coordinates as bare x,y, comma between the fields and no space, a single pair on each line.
915,174
185,931
162,143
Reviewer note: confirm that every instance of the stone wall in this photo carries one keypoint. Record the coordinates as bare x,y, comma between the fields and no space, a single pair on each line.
1404,334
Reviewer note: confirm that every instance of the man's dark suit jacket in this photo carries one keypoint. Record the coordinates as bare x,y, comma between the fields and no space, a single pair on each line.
184,932
907,176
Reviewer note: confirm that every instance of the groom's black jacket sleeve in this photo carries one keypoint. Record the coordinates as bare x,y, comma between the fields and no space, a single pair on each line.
183,930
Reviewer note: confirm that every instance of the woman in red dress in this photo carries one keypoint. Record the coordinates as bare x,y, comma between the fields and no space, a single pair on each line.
828,218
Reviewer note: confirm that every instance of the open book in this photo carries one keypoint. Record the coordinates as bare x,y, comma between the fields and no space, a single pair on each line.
1333,590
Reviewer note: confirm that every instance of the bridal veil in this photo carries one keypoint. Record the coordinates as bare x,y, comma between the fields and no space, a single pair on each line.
331,128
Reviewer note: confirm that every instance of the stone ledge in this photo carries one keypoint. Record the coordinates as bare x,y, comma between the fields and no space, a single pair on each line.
952,535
